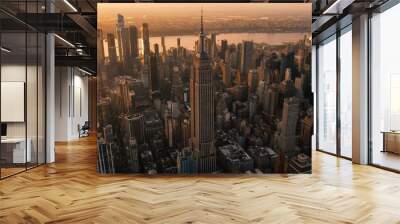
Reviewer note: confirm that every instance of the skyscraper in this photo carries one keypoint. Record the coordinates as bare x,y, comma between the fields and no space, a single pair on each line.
124,96
125,46
146,76
252,80
287,126
224,47
156,50
207,44
155,69
246,57
177,85
133,34
202,109
178,47
226,74
112,51
213,45
172,121
132,153
146,40
136,127
164,50
154,72
120,21
238,55
105,163
123,39
118,33
186,163
100,45
100,55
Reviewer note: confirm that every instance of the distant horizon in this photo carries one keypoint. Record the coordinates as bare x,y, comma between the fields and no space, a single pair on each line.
177,19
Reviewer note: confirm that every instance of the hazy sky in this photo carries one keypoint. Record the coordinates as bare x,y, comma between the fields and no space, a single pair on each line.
258,9
107,12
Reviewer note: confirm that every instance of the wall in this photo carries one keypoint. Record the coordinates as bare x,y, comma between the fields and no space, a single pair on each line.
71,102
14,73
33,127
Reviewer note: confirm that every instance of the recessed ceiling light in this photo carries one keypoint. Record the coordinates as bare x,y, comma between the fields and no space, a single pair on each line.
337,7
84,71
5,50
64,40
70,5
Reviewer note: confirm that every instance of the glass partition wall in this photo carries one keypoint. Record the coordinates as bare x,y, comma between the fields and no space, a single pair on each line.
22,77
334,94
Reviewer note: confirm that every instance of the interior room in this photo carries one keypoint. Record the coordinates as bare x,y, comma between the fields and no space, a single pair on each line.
385,111
334,56
55,160
22,102
71,103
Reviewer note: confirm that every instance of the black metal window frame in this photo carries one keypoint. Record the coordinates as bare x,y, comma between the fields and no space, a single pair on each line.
381,9
339,32
387,5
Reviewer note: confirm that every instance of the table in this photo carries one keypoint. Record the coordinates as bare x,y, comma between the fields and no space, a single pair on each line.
391,141
13,150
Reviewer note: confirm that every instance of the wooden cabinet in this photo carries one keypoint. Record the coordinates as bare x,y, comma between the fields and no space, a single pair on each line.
391,141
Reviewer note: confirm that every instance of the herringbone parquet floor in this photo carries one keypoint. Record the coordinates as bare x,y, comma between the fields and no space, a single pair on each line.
70,191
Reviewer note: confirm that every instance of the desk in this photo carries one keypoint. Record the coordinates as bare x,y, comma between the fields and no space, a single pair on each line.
391,141
13,150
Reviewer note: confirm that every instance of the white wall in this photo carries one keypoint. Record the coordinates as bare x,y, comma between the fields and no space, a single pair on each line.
12,73
33,126
61,103
71,103
17,73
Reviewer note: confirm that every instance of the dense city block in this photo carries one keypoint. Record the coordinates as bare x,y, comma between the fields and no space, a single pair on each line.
217,108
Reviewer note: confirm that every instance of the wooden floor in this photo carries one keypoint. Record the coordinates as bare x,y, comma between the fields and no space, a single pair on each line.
70,191
387,159
5,172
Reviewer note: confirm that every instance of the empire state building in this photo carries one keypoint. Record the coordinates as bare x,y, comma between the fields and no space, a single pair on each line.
202,108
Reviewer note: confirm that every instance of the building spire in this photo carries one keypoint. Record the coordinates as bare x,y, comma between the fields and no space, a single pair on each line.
201,21
201,49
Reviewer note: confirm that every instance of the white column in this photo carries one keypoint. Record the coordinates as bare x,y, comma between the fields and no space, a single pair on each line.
360,89
50,99
50,92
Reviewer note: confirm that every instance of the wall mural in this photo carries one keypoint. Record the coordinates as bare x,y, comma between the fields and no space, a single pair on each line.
204,88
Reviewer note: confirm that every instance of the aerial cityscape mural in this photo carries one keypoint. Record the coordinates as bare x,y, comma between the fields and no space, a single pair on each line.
204,88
